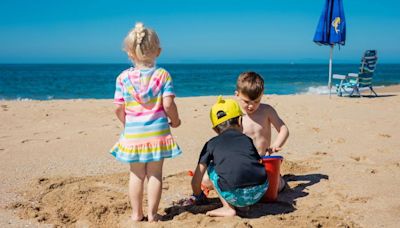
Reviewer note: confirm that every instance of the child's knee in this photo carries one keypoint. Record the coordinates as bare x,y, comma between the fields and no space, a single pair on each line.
138,170
207,183
154,173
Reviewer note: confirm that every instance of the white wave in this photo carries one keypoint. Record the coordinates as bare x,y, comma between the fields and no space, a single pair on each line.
323,90
24,99
319,90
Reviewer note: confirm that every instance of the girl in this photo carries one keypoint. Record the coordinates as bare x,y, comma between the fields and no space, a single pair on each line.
145,101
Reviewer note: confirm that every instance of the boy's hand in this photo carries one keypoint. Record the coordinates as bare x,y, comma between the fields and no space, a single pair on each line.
272,150
200,199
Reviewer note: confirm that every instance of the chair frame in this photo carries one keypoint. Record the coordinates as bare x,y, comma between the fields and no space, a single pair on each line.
355,85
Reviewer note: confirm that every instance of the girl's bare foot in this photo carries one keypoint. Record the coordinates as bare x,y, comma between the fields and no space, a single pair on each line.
138,218
154,218
222,212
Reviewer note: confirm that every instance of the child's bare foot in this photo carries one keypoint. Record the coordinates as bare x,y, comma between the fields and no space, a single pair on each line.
222,212
154,218
138,218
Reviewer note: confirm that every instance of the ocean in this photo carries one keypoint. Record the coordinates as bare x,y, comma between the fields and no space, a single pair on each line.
97,81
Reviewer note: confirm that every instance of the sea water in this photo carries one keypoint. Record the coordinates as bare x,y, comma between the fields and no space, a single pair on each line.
97,81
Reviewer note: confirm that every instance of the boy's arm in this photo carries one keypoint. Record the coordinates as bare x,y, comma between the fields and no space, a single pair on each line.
283,131
197,178
120,113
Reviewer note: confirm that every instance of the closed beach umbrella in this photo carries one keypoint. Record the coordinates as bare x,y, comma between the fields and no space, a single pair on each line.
331,30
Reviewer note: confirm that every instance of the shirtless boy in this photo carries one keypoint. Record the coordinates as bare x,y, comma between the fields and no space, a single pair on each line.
259,116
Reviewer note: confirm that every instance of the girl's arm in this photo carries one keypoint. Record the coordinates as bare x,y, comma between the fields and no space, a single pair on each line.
171,110
120,113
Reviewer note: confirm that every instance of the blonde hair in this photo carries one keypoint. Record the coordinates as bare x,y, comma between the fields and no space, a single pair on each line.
143,44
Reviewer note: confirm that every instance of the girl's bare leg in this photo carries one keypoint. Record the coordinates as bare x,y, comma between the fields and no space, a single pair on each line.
136,179
154,187
225,211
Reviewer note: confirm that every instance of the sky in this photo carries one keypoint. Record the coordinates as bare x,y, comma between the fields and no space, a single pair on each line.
218,31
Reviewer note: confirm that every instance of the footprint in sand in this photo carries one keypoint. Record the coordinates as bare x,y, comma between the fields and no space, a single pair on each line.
316,129
372,171
320,153
337,141
313,219
358,158
45,140
43,180
385,135
82,132
340,140
4,107
359,199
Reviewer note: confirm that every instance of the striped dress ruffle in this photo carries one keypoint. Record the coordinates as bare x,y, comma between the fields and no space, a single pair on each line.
146,136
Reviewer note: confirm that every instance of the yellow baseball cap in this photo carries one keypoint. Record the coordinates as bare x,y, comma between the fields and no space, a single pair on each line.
224,110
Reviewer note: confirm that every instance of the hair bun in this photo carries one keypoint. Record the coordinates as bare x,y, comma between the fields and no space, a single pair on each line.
139,32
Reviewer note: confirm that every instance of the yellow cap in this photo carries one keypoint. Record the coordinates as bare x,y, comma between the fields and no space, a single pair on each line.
224,110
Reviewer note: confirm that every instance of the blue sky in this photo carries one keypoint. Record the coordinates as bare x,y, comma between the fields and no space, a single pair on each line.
219,31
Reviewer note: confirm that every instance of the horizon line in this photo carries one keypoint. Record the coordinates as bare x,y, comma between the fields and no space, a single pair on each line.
185,63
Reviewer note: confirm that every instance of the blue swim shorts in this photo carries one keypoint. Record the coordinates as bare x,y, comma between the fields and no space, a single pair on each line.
240,197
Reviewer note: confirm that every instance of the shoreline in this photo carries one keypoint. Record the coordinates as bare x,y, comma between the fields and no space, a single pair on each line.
378,89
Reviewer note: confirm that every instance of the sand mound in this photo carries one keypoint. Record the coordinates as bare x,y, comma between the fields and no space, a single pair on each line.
101,201
65,201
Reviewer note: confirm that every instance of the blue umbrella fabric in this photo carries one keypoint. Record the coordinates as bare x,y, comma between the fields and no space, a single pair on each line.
331,29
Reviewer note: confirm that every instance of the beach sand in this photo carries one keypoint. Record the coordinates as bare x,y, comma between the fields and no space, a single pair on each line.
342,164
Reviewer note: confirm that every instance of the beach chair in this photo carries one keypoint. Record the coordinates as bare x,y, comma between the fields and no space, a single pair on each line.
353,82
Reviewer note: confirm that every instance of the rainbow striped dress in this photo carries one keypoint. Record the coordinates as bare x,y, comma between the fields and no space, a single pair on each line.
146,136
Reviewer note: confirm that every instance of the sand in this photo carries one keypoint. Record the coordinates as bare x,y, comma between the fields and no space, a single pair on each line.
342,164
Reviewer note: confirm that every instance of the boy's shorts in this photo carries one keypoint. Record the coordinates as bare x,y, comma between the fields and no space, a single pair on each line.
240,197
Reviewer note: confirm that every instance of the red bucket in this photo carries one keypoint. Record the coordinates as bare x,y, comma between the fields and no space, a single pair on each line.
272,165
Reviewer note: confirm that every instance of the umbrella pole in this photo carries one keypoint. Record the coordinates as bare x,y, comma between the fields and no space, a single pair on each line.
330,71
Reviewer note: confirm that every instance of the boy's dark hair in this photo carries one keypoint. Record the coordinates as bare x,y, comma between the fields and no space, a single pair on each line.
250,84
234,122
